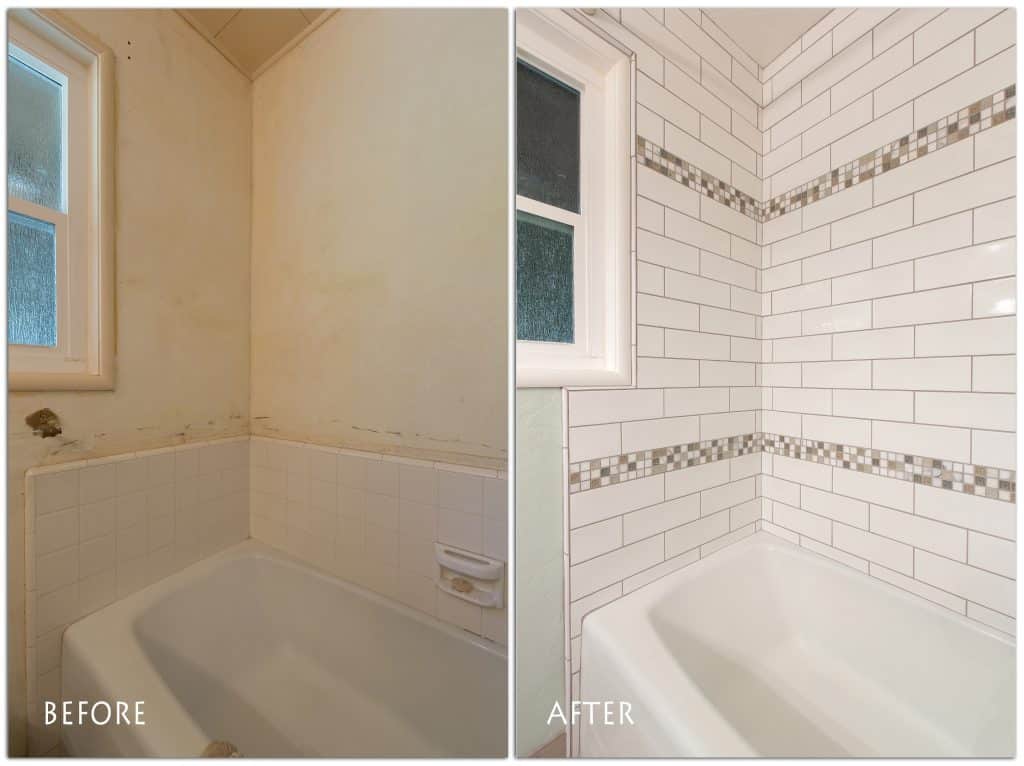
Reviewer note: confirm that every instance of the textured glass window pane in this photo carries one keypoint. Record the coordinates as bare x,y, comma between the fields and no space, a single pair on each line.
34,106
547,139
31,281
544,285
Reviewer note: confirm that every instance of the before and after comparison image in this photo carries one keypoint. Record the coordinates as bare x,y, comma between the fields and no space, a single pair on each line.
511,382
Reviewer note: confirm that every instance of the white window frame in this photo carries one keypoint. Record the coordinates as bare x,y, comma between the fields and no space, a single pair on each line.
558,44
84,355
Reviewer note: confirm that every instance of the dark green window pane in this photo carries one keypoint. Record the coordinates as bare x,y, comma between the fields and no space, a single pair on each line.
34,114
544,280
547,139
31,281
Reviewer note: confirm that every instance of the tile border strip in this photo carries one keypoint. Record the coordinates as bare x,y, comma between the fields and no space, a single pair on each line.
967,478
985,113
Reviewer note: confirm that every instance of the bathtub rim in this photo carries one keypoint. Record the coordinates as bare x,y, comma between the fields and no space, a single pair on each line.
180,726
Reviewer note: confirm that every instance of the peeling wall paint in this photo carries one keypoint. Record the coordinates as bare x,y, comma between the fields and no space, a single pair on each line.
183,196
379,238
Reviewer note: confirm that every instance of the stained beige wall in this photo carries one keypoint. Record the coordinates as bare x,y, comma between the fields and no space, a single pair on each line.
379,236
183,203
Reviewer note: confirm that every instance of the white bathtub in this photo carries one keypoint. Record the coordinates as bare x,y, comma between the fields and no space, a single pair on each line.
766,649
280,660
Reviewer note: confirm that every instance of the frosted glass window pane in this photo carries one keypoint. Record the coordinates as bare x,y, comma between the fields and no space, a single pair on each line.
34,111
31,281
547,139
544,280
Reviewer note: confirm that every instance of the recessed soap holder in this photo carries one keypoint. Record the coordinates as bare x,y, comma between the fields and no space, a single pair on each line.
470,576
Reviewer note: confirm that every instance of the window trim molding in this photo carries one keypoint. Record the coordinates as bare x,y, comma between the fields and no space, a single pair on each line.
100,226
568,47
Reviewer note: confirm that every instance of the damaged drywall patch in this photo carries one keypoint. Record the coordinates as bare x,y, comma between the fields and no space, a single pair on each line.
44,423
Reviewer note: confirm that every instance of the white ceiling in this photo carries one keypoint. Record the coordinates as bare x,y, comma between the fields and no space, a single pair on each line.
764,33
250,38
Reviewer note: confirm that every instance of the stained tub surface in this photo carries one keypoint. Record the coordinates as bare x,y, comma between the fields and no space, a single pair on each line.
281,660
766,649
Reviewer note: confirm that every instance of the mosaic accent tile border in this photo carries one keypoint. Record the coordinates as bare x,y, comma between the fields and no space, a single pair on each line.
591,474
985,481
983,114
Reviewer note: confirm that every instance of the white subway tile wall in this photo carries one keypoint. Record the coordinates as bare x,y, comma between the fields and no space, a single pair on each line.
801,335
99,530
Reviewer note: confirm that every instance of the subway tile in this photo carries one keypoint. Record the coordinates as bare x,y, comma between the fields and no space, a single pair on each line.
781,227
856,24
836,206
995,144
934,237
595,539
600,572
842,557
646,522
874,344
687,287
782,156
744,398
802,522
875,405
981,514
696,401
810,60
969,337
721,140
996,412
941,305
925,75
952,373
726,424
666,373
665,191
855,374
659,570
650,216
579,609
973,190
995,221
745,513
843,63
784,374
954,160
781,325
969,264
650,341
717,373
653,31
894,493
697,233
846,127
995,298
918,588
883,67
717,320
843,318
813,401
779,277
852,431
696,533
900,26
996,374
809,349
802,297
946,28
992,554
650,278
799,121
589,407
605,502
774,421
836,263
992,618
803,170
663,432
589,442
666,252
651,126
880,550
934,536
779,489
888,280
663,102
869,134
974,584
817,475
726,270
995,35
696,345
666,312
725,496
686,481
746,301
994,448
987,77
851,512
926,440
875,222
682,144
687,30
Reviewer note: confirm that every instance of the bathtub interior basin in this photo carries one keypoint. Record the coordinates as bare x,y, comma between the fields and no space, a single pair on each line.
766,649
280,660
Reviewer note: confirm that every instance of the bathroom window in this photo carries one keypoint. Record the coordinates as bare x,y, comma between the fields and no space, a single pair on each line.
59,206
572,204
